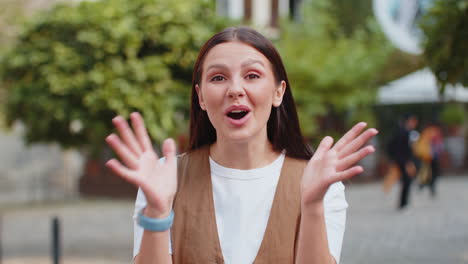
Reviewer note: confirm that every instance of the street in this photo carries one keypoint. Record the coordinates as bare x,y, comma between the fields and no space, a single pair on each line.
430,231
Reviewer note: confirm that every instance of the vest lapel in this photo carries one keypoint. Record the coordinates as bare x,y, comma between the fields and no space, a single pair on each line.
279,241
194,233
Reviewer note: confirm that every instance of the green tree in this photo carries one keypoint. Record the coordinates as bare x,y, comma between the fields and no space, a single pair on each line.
74,67
445,28
330,68
12,12
357,15
349,15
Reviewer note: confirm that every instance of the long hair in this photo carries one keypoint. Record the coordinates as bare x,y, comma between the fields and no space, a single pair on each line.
283,129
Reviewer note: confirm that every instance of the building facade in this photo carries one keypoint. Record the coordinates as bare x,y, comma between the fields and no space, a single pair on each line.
263,14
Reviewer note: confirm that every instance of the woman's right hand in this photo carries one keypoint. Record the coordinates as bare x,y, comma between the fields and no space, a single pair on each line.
141,165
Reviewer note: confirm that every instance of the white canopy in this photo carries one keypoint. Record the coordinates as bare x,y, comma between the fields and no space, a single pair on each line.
419,87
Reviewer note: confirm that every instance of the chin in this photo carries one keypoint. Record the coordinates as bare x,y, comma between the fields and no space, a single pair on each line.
241,136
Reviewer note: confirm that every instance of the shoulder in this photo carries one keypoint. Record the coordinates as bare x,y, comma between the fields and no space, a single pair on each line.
294,167
295,162
335,197
200,152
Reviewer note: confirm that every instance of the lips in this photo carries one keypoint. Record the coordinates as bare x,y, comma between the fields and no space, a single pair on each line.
237,114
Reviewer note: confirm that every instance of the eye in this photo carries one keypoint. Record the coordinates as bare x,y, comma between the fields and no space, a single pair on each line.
252,76
217,78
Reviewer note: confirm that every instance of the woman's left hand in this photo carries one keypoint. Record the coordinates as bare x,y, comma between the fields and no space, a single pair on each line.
333,163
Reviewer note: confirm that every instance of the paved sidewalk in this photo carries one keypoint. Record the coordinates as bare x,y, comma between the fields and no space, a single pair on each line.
431,231
93,232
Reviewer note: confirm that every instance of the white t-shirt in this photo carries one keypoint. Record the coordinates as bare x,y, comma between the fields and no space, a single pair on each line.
243,200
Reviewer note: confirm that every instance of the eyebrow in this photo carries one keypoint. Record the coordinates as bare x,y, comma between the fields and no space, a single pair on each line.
218,65
244,64
252,61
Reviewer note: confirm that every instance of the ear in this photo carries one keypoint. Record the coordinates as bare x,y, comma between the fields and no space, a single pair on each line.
200,97
278,94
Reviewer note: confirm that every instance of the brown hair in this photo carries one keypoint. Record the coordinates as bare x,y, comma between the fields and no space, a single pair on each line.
283,125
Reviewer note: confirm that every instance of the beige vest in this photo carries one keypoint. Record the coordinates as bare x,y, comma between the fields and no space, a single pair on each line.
194,232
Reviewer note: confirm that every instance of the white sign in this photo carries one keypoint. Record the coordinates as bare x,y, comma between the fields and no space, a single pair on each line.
399,21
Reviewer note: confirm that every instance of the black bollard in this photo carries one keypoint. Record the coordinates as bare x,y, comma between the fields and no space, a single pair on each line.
56,241
1,249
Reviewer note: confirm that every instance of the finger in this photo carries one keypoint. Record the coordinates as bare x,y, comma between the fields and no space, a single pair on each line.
127,156
346,174
169,150
123,172
358,142
324,145
354,158
141,132
127,134
349,136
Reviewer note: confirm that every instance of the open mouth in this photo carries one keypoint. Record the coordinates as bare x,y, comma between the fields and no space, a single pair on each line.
237,114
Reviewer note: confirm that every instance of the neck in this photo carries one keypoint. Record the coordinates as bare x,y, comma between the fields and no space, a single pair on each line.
243,155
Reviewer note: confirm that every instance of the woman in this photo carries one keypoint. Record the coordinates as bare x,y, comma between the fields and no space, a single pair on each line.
248,190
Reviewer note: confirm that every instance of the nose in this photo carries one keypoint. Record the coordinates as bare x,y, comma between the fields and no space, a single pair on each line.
235,89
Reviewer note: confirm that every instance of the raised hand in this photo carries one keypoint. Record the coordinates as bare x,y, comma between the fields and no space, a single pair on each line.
333,163
141,165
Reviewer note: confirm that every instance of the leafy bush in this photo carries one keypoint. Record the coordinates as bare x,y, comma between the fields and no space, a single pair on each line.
453,115
75,67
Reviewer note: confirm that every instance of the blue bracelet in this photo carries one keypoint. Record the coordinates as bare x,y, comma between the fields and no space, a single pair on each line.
155,224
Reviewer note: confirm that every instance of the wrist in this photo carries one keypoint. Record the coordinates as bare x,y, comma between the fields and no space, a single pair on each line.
155,213
154,224
312,208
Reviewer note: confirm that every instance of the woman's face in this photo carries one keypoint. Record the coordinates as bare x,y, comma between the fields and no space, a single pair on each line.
238,89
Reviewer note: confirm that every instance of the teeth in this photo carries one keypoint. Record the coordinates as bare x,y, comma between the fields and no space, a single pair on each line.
237,111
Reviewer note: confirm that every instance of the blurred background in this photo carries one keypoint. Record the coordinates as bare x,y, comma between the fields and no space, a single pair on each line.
68,67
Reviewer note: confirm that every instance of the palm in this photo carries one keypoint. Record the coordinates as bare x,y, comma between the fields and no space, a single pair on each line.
158,180
331,164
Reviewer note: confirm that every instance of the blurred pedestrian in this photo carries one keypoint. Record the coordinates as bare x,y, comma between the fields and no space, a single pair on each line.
391,177
428,149
400,151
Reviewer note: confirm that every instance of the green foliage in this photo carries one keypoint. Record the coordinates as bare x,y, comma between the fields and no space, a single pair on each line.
445,27
362,114
329,69
349,15
75,67
453,115
10,13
